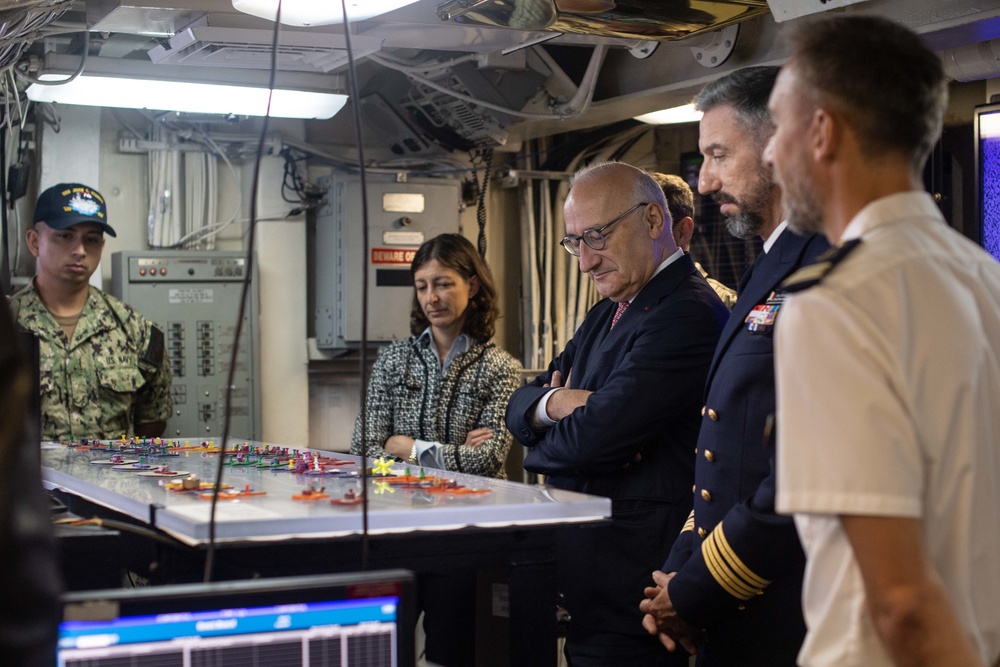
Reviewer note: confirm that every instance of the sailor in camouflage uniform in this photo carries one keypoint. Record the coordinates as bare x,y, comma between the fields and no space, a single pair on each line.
104,373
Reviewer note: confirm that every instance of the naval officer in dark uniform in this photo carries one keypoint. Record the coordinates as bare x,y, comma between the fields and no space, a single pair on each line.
732,582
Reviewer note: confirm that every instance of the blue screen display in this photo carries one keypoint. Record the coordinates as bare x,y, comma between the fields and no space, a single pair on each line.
989,184
225,622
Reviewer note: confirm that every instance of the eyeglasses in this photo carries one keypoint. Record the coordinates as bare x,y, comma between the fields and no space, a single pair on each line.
594,238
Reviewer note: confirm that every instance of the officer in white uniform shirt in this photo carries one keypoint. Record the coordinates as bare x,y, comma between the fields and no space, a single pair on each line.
887,363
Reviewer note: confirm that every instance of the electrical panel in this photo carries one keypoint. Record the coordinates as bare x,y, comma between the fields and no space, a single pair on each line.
194,296
401,216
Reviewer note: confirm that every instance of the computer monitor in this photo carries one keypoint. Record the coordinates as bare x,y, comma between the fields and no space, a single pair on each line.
987,128
341,620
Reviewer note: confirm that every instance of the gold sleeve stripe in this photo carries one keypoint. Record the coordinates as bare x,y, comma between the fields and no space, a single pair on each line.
689,524
742,570
727,569
721,571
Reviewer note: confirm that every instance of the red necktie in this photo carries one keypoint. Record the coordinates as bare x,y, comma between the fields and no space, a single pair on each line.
618,313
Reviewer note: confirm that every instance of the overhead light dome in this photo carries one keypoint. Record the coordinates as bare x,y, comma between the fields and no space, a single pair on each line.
317,12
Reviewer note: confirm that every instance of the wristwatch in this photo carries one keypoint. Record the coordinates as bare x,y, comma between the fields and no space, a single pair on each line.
412,458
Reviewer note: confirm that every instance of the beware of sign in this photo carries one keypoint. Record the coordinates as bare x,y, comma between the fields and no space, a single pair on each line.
396,256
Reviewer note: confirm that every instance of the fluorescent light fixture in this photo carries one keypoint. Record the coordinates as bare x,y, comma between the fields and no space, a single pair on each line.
318,12
681,114
128,93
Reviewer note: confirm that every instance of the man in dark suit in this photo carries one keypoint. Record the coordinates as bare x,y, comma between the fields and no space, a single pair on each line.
616,413
734,576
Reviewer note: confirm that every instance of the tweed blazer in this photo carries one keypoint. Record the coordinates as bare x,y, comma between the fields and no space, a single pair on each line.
408,395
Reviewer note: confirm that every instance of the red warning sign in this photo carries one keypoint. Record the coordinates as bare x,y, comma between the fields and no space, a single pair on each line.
397,256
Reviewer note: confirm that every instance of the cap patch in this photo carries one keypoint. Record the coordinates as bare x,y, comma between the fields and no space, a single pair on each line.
83,205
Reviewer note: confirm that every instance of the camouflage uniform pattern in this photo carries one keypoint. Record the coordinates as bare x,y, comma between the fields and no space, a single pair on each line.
113,375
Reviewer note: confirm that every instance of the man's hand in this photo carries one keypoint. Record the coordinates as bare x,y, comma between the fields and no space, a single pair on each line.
661,620
556,380
399,446
478,436
563,403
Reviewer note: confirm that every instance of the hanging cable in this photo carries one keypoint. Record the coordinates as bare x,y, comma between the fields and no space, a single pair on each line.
307,196
244,297
487,156
5,271
363,361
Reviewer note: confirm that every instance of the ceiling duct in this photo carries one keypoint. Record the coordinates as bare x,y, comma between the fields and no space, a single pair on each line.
251,49
117,16
464,125
631,19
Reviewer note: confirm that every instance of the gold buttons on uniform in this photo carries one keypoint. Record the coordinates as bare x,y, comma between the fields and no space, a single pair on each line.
702,532
710,456
694,488
706,495
713,415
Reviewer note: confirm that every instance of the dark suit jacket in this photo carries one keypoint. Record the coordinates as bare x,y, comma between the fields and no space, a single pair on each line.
734,480
647,376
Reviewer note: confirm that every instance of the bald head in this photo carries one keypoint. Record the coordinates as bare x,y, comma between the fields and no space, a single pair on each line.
618,179
616,218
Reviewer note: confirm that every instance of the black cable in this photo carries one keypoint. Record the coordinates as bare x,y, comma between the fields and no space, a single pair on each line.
481,205
292,180
244,294
5,270
355,97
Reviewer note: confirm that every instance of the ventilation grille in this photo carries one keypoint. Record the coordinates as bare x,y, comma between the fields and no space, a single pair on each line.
460,124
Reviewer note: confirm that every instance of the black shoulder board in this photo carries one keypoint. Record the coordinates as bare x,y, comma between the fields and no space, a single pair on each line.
812,274
154,351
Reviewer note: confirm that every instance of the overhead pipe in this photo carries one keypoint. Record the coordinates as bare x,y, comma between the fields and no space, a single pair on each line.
585,92
973,62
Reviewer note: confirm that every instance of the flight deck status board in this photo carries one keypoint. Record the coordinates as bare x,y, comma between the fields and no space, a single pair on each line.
276,492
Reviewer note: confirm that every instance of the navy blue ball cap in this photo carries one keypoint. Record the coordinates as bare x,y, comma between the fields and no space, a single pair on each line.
68,204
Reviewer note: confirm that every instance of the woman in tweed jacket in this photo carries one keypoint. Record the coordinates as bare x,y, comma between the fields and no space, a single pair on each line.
437,399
